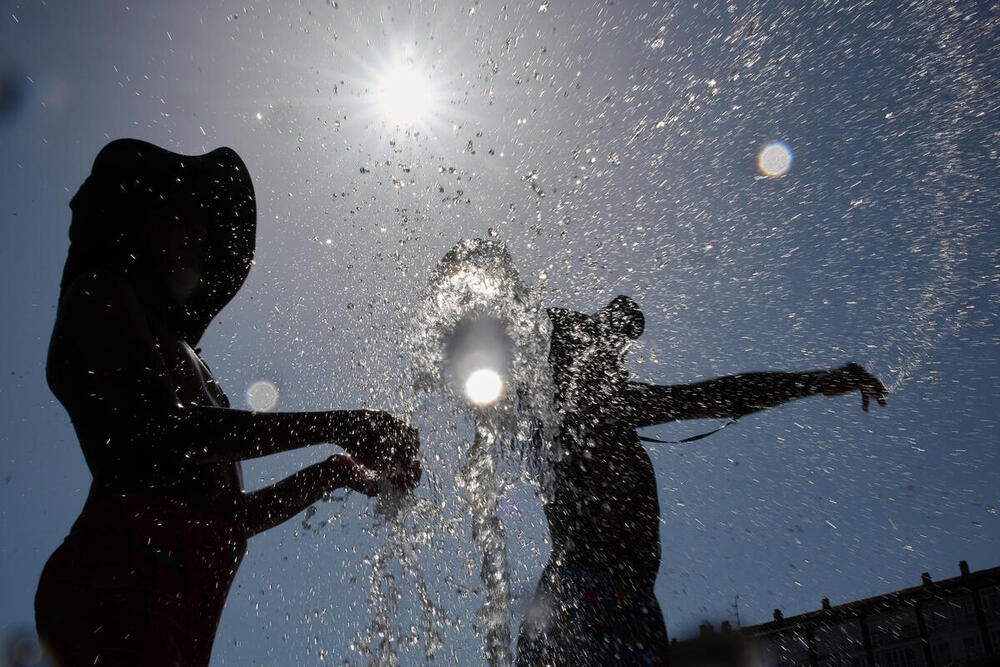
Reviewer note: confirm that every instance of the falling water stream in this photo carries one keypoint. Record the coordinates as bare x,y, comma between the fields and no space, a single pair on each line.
476,315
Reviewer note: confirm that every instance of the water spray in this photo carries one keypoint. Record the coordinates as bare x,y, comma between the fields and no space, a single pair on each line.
482,340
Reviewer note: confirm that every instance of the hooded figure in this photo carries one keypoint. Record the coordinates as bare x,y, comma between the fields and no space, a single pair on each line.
595,603
159,243
134,186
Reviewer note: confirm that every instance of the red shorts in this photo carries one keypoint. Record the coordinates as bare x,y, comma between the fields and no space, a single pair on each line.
138,581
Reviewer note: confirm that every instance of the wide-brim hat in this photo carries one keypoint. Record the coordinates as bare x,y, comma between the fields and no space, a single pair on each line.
131,176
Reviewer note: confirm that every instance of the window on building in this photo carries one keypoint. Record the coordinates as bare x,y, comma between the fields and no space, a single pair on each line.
991,601
893,628
838,639
995,640
948,614
791,649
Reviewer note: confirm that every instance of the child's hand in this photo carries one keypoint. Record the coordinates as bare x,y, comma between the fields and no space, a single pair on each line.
406,477
346,473
378,440
852,377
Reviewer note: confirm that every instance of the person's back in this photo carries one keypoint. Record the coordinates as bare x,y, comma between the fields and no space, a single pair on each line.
595,603
604,513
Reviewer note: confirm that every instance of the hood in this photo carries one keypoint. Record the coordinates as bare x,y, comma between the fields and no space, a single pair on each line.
129,178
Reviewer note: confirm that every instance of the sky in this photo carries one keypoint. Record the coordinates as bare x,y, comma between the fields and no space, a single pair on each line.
614,147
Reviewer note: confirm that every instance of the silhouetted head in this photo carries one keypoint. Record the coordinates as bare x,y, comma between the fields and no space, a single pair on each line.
180,227
587,352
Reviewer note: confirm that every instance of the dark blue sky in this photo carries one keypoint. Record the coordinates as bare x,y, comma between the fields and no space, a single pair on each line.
613,146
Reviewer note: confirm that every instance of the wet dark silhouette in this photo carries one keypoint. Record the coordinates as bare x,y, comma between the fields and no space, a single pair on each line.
595,604
160,242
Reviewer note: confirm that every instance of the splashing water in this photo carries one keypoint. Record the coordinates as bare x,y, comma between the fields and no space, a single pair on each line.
476,310
399,547
475,315
906,226
478,478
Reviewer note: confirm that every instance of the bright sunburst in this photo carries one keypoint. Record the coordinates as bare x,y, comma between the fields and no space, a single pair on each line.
405,95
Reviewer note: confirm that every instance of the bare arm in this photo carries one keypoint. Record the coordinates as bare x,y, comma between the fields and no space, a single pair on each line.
106,368
267,507
224,434
733,396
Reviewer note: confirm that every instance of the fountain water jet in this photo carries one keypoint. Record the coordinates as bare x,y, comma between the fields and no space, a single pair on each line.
477,319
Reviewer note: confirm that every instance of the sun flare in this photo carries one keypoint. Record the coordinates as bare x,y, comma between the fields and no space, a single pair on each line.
775,159
405,95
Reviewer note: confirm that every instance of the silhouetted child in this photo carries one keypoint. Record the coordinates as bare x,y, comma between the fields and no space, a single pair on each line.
595,603
160,242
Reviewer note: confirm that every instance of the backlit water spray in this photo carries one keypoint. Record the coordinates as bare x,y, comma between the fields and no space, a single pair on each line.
479,339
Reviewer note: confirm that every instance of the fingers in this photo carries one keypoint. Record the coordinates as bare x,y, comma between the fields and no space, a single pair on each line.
367,481
361,479
381,440
875,389
878,392
406,477
866,383
356,476
350,474
406,445
398,443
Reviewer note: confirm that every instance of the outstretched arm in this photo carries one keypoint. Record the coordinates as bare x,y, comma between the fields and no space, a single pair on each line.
267,507
733,396
373,437
107,369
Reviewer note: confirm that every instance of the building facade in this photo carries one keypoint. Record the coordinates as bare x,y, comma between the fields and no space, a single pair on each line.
937,624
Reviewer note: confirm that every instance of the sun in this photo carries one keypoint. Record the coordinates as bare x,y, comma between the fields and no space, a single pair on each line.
483,386
405,96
